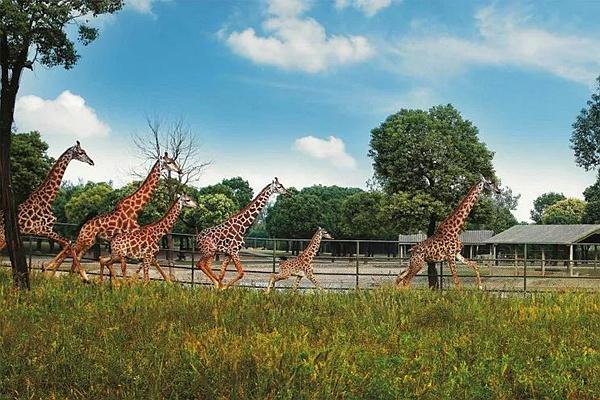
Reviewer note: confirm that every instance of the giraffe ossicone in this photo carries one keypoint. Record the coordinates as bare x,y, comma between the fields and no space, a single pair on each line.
302,265
228,237
445,243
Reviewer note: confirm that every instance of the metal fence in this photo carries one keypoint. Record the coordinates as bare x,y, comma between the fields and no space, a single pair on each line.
349,264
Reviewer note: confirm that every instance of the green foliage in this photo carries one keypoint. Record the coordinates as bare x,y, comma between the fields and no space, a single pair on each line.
29,163
299,216
568,211
585,138
433,154
40,28
212,210
592,213
65,340
362,217
242,192
544,201
89,200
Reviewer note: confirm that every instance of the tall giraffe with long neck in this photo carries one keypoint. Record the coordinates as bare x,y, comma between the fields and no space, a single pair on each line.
35,214
301,265
228,237
122,219
445,243
143,243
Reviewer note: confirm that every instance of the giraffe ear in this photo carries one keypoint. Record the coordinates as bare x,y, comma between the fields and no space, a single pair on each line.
78,144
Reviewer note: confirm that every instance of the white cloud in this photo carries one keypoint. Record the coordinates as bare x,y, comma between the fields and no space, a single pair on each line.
68,114
503,39
368,7
333,150
294,42
141,6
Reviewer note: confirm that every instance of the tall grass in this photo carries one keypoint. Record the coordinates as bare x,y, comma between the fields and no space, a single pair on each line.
68,340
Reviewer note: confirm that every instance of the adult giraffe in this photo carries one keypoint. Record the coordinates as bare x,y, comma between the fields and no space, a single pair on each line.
35,214
228,237
445,244
122,219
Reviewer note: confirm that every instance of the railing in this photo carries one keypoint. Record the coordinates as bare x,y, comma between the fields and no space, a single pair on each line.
348,264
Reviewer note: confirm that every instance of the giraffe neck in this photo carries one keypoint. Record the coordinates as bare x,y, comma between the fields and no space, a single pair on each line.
165,224
245,218
49,188
313,247
135,202
453,224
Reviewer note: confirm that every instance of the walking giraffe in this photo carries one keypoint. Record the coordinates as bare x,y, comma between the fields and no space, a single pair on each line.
228,237
35,214
445,244
122,219
301,265
143,243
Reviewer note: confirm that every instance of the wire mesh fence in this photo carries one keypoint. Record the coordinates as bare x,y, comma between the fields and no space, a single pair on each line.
350,264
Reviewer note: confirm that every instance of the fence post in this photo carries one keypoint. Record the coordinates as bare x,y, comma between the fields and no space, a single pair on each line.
30,251
193,264
442,276
571,260
274,251
357,261
525,268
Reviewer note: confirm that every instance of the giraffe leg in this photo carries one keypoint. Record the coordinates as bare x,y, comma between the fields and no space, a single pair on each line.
310,275
474,266
453,270
204,265
65,247
296,282
240,271
224,268
160,271
276,278
414,266
123,267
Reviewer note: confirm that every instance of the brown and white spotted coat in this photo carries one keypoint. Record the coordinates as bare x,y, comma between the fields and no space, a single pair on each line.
122,219
302,265
35,214
228,237
445,244
143,243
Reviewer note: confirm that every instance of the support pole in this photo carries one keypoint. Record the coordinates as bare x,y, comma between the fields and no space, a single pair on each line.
543,261
571,260
357,262
525,268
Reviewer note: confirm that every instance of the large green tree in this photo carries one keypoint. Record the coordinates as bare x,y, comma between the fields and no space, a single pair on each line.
89,200
568,211
30,163
542,202
34,32
585,138
434,155
242,192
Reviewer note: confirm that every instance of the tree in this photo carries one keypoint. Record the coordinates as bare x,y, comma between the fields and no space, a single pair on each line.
585,138
363,217
91,199
34,32
242,192
212,210
542,202
30,163
568,211
433,154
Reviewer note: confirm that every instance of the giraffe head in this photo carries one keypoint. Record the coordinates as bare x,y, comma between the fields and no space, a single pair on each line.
187,201
489,185
79,154
170,164
277,187
325,234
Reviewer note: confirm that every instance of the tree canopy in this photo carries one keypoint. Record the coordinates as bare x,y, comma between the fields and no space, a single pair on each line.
30,163
568,211
542,202
585,138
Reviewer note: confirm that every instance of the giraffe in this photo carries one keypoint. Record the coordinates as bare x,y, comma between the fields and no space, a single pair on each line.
301,265
445,244
122,219
143,243
35,214
228,237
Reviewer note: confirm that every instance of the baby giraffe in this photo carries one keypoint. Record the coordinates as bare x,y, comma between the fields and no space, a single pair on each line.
301,265
143,243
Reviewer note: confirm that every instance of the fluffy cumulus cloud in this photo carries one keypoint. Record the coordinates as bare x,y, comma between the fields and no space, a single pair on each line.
295,42
68,114
142,6
331,149
368,7
504,38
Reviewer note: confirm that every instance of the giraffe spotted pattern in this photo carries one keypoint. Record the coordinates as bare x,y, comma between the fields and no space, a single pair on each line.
302,265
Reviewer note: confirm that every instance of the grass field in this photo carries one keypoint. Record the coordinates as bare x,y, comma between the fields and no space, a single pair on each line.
68,340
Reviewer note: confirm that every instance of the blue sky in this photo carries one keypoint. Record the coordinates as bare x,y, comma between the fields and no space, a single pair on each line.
292,88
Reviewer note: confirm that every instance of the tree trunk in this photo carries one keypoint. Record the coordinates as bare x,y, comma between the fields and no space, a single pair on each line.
432,273
13,237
